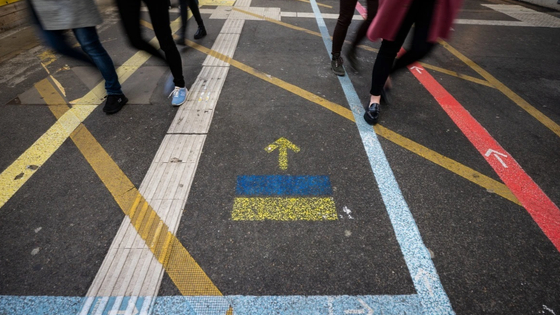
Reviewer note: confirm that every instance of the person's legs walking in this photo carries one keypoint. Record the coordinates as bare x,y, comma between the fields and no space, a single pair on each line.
201,31
184,19
362,32
129,11
159,16
89,41
383,65
420,46
345,15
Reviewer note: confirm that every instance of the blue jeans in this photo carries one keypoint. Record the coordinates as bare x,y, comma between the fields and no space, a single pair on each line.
98,56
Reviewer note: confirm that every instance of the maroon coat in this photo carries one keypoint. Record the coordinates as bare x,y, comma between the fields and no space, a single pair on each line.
391,13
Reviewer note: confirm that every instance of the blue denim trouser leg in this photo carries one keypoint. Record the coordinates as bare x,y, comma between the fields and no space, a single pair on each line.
88,39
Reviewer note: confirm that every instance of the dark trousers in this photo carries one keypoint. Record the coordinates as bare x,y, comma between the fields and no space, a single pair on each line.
92,51
129,11
193,5
420,14
346,13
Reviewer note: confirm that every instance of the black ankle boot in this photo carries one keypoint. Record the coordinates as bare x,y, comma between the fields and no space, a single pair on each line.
200,32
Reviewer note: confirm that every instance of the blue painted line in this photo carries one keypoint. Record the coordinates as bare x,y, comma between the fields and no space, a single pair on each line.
422,270
283,185
212,305
40,305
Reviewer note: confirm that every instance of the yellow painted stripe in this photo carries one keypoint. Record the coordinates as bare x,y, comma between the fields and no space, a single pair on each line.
342,111
19,172
447,163
464,171
297,28
227,3
457,75
6,2
181,267
283,209
549,123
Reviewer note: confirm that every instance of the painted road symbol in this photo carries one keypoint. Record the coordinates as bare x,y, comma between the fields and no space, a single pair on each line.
419,70
283,145
497,156
283,197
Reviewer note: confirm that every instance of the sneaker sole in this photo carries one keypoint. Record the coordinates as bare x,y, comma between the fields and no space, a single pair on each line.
177,105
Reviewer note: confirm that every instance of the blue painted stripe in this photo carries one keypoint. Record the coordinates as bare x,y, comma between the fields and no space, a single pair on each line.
211,305
40,305
283,185
416,255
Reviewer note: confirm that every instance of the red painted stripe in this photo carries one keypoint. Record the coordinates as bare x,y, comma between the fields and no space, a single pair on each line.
361,10
545,213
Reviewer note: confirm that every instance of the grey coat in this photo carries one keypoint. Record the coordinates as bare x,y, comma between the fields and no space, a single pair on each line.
66,14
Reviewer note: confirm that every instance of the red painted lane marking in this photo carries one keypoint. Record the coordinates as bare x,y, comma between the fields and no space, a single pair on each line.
545,213
361,10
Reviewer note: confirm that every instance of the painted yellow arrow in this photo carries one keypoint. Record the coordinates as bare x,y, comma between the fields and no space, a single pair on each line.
283,144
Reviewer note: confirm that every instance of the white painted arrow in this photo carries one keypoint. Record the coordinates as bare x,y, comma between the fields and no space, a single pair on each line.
362,311
427,278
418,69
497,155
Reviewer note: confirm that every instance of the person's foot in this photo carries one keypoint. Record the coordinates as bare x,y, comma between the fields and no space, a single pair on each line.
114,103
200,32
371,116
179,96
336,65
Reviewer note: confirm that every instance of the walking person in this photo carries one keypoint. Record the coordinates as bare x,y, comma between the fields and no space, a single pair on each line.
345,16
54,18
201,31
432,19
158,10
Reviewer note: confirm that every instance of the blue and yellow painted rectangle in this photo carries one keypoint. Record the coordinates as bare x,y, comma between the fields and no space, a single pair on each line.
283,198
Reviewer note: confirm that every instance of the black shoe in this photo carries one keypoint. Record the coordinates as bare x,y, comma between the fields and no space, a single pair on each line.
114,103
372,113
200,32
336,65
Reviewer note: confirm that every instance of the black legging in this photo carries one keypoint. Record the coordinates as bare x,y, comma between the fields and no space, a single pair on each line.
420,14
159,14
193,5
346,13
